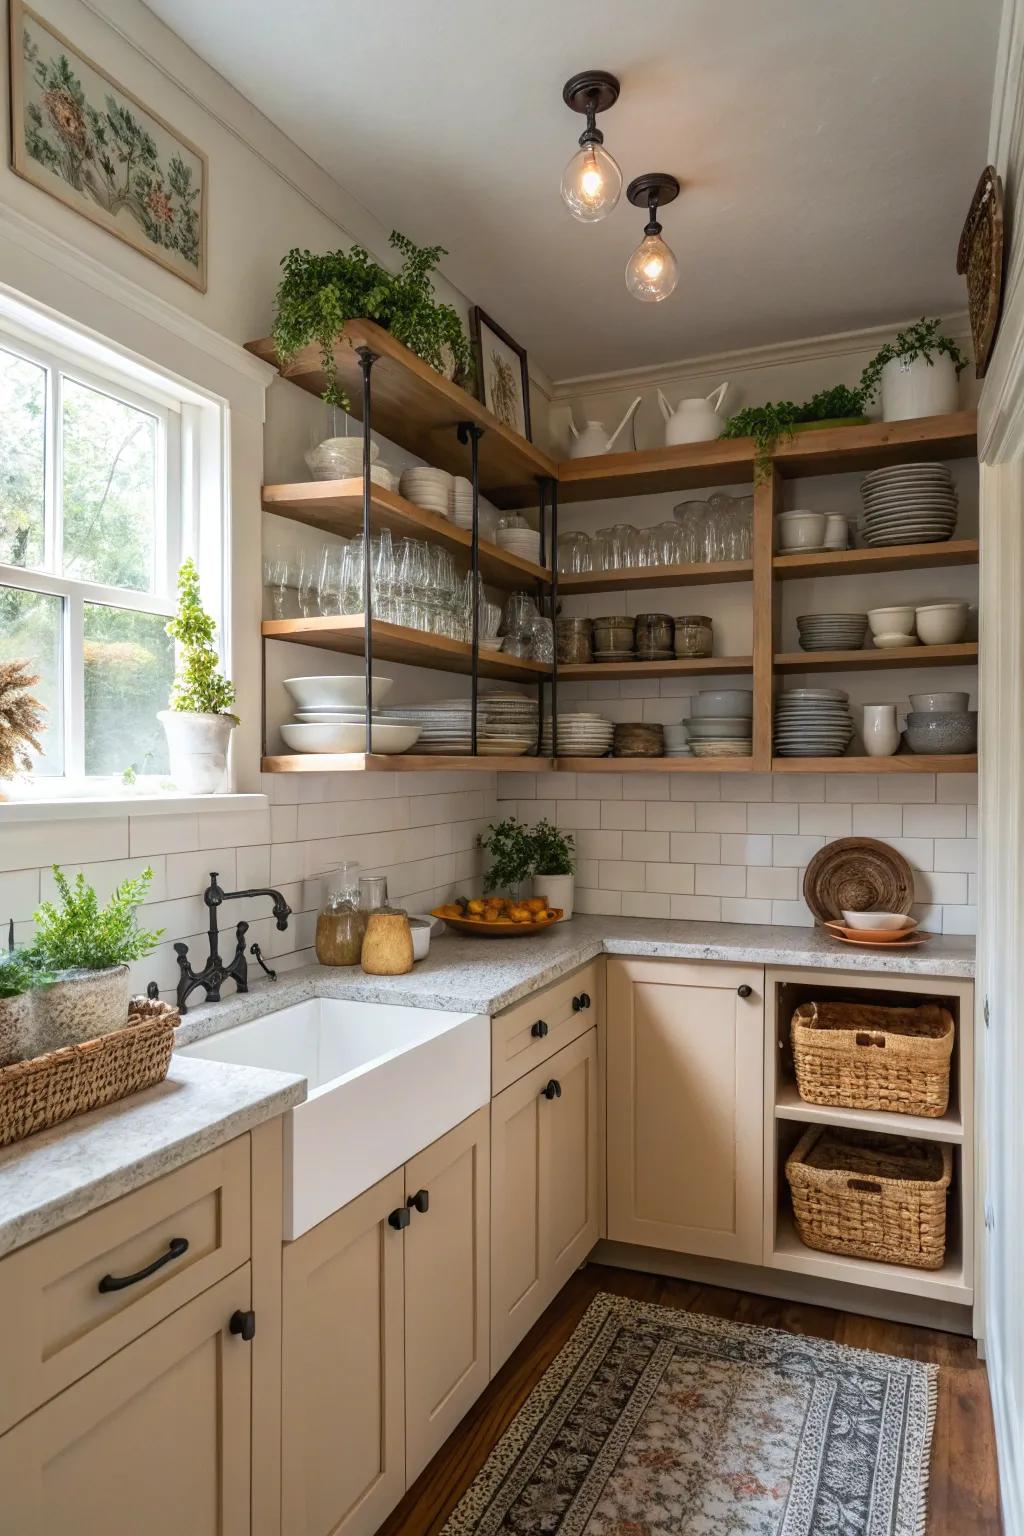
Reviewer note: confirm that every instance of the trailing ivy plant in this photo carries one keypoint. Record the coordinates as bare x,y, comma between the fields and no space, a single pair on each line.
319,293
76,933
774,422
920,340
200,687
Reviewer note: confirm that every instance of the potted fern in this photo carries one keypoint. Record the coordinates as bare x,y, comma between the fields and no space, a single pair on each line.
199,722
917,373
18,976
554,865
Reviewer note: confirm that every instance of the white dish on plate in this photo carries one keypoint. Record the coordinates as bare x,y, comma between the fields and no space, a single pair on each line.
336,692
879,922
894,642
387,739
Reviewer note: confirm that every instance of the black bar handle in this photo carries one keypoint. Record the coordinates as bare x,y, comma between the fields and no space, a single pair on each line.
581,1002
744,991
176,1247
400,1218
244,1324
539,1030
552,1091
420,1201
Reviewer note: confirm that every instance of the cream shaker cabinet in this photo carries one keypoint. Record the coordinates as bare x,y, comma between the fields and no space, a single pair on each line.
685,1106
545,1181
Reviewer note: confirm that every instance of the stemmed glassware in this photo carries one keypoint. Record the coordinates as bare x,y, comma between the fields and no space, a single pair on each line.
275,580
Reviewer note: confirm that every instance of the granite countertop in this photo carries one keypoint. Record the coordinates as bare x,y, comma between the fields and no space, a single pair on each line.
470,975
60,1174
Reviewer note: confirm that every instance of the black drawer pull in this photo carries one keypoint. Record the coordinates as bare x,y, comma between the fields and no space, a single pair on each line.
244,1324
400,1218
420,1201
538,1030
744,991
581,1002
178,1246
553,1090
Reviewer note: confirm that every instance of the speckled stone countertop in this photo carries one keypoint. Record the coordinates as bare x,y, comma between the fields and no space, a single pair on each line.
472,975
58,1175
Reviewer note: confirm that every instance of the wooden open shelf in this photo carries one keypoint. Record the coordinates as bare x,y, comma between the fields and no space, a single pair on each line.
963,655
687,467
410,647
858,562
336,506
645,577
945,1284
417,408
790,1106
903,762
848,450
397,762
616,671
655,764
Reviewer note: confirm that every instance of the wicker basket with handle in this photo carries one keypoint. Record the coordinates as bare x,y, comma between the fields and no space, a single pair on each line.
869,1056
871,1197
45,1090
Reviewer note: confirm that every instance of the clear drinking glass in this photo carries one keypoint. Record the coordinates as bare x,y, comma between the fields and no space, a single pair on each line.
275,580
329,591
310,562
692,518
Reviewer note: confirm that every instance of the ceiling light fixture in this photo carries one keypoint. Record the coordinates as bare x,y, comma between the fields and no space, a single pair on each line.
652,271
592,181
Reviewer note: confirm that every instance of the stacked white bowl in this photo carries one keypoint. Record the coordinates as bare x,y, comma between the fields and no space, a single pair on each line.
330,716
909,504
580,734
832,631
677,741
812,722
720,723
428,488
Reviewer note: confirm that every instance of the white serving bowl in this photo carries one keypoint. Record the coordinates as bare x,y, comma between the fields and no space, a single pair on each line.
895,642
722,701
349,737
942,703
338,458
801,530
878,922
336,692
892,621
942,623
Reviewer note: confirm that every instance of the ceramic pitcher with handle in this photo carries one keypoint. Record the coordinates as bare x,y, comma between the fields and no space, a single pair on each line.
697,420
594,438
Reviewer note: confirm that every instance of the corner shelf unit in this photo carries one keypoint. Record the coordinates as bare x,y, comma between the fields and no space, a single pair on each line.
436,420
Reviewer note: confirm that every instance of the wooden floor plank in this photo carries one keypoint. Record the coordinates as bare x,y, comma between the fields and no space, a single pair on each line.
963,1494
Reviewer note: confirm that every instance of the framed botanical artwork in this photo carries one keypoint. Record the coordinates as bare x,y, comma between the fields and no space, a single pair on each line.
503,383
90,143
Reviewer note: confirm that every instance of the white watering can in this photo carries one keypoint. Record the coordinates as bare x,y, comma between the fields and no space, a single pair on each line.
694,421
594,438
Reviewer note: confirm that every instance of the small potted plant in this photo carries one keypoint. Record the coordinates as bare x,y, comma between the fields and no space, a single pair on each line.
776,422
85,948
18,976
509,847
554,865
21,719
199,722
917,373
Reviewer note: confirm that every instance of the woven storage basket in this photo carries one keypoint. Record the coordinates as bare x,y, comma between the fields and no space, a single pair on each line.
867,1056
871,1197
47,1089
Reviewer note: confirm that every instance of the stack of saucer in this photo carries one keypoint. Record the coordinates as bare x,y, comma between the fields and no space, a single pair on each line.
721,735
510,718
677,741
579,735
524,542
462,509
909,504
445,725
812,722
832,631
428,488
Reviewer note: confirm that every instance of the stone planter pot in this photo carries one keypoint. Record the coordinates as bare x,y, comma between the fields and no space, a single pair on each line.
558,889
17,1028
198,748
80,1005
915,387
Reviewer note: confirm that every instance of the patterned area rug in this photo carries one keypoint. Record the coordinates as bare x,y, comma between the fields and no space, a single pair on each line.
655,1422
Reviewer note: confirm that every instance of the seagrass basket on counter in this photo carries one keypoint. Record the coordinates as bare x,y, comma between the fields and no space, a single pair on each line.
869,1056
871,1197
44,1090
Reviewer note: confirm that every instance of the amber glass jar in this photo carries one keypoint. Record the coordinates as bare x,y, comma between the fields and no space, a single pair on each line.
340,924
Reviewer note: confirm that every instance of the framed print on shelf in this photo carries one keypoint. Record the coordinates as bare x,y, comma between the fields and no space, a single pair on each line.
503,383
93,145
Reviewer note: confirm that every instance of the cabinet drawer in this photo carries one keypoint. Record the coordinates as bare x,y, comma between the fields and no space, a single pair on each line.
55,1321
519,1042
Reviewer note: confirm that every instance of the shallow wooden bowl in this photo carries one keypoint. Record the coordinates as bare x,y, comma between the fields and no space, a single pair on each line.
502,929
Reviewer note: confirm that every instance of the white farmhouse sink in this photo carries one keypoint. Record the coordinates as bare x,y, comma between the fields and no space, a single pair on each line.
384,1083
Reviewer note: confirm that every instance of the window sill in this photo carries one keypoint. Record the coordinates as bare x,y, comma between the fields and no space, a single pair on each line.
84,808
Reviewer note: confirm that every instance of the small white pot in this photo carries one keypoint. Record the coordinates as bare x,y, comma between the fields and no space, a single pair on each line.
915,387
881,732
558,889
198,748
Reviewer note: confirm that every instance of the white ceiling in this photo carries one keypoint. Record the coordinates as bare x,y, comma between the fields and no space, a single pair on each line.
828,151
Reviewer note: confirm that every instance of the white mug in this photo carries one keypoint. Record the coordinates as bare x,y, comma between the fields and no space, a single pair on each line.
881,733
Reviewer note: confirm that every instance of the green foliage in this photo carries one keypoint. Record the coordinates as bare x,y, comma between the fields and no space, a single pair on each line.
199,685
774,422
509,847
79,934
553,852
19,972
920,340
318,294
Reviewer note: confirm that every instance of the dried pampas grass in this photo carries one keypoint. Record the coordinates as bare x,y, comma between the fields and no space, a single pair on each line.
21,718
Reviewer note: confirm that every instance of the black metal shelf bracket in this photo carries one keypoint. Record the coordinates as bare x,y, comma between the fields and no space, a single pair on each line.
469,432
549,556
366,362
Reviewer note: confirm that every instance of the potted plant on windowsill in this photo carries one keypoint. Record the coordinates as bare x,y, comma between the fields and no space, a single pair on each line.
554,865
199,722
917,373
80,954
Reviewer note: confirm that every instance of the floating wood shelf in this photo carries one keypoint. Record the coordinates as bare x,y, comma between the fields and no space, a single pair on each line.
410,647
690,466
903,762
655,764
645,577
858,562
790,1106
616,671
849,450
397,762
962,655
336,506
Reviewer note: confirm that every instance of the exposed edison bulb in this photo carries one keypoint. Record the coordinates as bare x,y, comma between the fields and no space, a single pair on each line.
591,184
652,271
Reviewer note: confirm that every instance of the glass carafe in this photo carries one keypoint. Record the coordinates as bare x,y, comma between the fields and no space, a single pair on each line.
341,924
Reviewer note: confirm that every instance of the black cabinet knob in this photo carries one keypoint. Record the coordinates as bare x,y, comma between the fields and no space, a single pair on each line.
244,1324
744,991
420,1201
400,1218
553,1090
581,1002
538,1030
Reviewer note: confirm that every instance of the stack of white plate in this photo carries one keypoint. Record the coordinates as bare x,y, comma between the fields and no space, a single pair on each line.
462,509
428,488
832,631
510,718
812,722
909,504
677,741
720,735
524,542
579,735
444,726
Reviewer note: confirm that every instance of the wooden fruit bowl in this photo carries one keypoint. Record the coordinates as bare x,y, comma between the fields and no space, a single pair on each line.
498,928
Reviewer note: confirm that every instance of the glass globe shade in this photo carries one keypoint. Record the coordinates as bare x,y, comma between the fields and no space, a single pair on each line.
591,184
652,271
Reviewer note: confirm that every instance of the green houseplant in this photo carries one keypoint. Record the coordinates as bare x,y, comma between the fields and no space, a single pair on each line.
509,850
318,294
776,422
81,952
199,722
917,373
19,973
554,865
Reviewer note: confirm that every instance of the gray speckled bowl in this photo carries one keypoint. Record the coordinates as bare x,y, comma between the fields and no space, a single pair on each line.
942,731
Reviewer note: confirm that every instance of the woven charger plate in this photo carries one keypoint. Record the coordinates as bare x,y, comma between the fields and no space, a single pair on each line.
857,874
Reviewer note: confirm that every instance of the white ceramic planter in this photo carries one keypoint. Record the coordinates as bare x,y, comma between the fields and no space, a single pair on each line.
558,889
198,748
881,732
915,387
81,1005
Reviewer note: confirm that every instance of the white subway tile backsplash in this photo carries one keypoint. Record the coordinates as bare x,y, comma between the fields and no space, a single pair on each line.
620,875
653,846
831,820
670,816
32,844
19,895
720,880
851,788
919,852
673,879
910,788
934,820
188,874
234,829
751,848
749,787
608,903
253,866
940,889
625,815
105,875
697,847
743,910
701,909
772,817
645,786
972,821
773,884
956,788
599,845
284,823
802,788
721,816
877,820
795,914
645,904
956,854
959,919
794,850
573,815
697,786
164,834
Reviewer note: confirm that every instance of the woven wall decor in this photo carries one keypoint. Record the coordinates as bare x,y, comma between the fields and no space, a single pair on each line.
857,874
979,258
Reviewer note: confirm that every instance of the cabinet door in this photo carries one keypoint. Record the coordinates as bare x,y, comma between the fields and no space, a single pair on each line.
685,1107
544,1188
447,1286
156,1440
343,1409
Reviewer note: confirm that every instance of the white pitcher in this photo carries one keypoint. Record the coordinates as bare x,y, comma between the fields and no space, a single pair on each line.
594,438
881,732
696,420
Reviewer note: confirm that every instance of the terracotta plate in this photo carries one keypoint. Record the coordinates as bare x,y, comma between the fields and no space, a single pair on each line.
502,929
